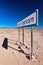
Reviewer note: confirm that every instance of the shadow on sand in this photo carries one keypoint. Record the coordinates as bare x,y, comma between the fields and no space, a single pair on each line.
5,45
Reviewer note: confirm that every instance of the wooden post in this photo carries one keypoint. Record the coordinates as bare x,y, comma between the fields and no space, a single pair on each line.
31,42
19,35
23,35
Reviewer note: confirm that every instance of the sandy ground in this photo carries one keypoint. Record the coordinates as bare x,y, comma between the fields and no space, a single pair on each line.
18,56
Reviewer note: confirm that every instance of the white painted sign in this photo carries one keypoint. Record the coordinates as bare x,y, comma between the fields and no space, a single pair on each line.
29,20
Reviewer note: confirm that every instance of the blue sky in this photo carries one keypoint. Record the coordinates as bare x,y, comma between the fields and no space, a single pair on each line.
12,11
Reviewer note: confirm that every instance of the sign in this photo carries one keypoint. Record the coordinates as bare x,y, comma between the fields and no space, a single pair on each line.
29,20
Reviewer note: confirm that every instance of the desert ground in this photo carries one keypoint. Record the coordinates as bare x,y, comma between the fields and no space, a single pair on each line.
18,53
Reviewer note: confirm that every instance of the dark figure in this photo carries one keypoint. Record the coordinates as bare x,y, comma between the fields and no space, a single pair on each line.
5,43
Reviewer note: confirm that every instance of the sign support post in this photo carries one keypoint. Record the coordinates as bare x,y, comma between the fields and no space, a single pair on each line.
31,42
19,35
23,35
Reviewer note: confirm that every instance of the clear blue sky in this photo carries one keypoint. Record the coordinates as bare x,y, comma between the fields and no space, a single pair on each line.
12,11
